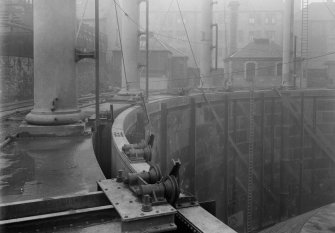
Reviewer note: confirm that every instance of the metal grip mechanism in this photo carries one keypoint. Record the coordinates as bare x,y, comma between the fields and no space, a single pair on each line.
160,189
141,150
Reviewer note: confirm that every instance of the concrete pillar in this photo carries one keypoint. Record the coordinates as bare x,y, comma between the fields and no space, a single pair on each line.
287,78
55,88
206,39
130,43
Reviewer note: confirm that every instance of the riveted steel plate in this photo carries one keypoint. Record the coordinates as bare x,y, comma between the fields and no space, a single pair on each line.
128,205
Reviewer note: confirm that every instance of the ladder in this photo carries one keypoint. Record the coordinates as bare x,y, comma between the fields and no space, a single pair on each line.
251,161
304,40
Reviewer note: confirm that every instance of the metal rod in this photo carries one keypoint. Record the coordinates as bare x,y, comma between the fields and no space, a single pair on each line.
281,164
226,156
192,143
147,50
262,148
314,150
97,91
273,106
216,46
295,63
301,165
234,175
163,138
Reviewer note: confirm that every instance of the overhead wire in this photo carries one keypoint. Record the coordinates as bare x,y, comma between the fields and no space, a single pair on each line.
81,20
165,17
190,44
188,38
121,47
257,69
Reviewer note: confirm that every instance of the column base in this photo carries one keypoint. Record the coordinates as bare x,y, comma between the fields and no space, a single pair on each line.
36,117
30,130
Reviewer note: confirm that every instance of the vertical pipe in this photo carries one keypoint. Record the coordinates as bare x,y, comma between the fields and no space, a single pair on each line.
226,156
234,5
273,106
313,145
301,159
163,138
192,143
288,44
147,49
97,82
234,157
284,160
216,44
261,196
295,64
281,164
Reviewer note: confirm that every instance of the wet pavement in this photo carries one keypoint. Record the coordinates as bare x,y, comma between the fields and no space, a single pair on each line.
48,166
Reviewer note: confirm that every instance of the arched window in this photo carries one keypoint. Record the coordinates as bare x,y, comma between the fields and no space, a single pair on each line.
250,71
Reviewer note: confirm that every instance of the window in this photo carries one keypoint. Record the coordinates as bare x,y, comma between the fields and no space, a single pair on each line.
252,19
251,35
250,71
279,68
270,19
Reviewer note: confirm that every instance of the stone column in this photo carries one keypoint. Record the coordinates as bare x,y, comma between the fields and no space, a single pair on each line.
130,44
206,39
55,88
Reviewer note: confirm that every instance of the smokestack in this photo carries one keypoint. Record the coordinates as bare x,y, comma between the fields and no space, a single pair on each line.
206,39
130,43
234,5
287,79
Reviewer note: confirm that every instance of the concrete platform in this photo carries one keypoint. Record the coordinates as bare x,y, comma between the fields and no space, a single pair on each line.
26,129
44,167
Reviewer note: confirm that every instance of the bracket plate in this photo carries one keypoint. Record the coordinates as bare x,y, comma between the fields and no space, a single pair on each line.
129,207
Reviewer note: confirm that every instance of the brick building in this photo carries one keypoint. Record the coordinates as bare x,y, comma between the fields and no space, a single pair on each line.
261,61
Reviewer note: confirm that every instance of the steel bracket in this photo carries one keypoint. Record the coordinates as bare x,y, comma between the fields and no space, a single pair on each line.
133,217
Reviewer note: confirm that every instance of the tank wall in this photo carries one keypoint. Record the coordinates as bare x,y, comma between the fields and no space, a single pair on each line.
185,128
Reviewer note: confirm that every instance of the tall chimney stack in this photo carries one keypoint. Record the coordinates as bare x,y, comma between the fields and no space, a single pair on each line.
287,79
130,43
206,39
234,5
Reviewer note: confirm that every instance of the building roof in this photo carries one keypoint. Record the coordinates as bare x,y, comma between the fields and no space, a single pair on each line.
155,44
259,48
321,11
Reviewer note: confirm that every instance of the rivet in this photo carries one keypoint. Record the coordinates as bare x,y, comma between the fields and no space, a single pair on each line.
157,211
125,216
116,203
